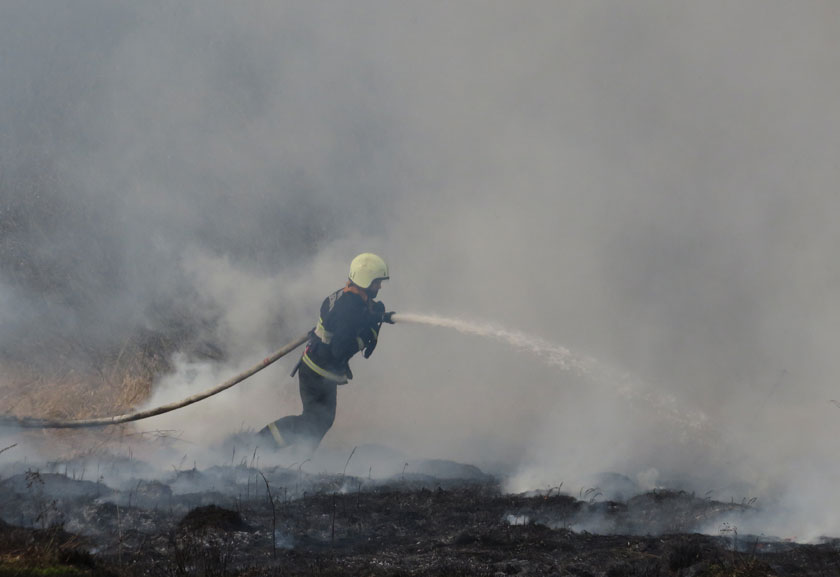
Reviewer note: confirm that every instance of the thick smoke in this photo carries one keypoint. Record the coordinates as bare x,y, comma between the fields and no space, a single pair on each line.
652,184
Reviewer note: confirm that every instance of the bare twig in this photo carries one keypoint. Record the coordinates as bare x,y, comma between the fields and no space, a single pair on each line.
332,530
15,445
119,533
348,461
297,482
273,518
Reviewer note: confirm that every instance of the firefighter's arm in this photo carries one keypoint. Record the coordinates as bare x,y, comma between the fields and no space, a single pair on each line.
345,323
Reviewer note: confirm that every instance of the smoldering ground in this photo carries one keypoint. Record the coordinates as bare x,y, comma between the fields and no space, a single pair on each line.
648,184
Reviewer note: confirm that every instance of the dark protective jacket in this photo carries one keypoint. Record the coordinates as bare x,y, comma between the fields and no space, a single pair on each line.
349,323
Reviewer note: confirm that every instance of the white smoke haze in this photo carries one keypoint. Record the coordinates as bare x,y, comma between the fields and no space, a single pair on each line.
651,185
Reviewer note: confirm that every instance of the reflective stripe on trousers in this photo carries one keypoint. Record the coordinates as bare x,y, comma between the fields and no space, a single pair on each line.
323,372
281,442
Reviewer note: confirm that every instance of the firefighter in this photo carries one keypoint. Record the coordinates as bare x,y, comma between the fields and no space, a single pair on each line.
349,323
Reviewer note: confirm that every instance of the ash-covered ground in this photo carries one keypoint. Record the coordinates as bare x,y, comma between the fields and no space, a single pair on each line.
110,515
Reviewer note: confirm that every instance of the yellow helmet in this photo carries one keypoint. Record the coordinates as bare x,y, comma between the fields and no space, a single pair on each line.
366,268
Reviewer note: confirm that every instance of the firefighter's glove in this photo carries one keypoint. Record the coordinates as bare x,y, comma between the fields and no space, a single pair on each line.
370,336
388,317
377,310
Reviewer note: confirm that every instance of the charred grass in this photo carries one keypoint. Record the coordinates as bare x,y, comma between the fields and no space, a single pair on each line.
28,552
337,525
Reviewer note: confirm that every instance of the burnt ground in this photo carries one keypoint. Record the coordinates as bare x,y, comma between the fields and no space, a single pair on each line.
237,520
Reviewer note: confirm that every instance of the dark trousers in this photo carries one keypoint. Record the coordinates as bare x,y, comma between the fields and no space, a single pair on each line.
307,429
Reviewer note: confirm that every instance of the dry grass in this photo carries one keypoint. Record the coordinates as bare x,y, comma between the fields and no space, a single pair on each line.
72,386
121,384
67,388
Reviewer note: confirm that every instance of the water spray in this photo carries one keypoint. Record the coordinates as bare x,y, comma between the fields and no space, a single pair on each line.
631,389
553,354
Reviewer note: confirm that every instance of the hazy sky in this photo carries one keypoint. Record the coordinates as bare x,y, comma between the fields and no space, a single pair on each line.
650,183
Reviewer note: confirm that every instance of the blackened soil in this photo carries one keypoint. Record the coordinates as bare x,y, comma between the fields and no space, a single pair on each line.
212,518
337,525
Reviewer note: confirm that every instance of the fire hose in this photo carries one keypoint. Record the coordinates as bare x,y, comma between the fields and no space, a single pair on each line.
34,423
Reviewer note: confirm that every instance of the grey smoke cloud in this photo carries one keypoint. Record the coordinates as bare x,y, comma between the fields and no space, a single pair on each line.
649,183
